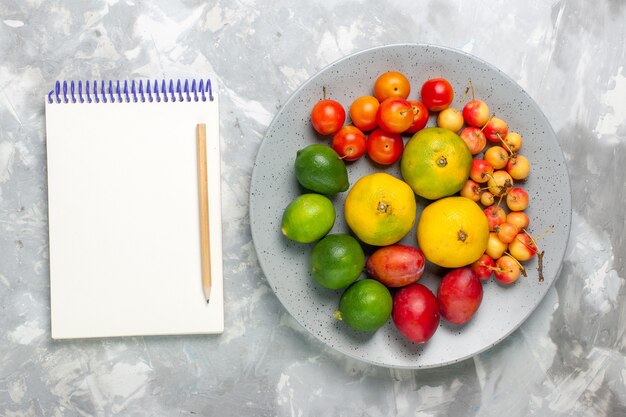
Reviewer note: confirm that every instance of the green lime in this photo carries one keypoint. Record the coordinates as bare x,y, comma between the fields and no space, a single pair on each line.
320,169
365,305
308,218
337,261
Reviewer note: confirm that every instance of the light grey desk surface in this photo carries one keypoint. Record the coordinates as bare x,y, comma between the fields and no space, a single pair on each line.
566,360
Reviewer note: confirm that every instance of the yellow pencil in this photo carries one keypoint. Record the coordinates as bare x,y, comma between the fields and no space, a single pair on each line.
205,239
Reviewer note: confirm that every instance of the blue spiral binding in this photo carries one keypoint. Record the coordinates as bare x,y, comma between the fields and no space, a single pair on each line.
130,91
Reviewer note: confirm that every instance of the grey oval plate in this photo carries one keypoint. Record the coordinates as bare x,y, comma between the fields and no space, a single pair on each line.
274,185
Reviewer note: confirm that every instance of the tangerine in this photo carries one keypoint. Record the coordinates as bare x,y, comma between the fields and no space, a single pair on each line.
436,163
453,232
380,209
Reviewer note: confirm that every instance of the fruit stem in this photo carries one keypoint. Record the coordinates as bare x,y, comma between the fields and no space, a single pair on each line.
442,161
465,94
540,265
502,194
532,239
337,315
548,230
324,92
472,88
506,145
521,267
487,122
529,247
382,207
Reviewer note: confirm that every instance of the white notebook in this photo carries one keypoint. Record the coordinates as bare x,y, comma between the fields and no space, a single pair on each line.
123,202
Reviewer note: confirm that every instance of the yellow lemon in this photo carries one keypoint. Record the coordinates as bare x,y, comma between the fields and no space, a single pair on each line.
436,163
453,232
380,209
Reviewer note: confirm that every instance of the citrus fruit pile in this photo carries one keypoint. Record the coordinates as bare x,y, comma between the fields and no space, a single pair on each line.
467,171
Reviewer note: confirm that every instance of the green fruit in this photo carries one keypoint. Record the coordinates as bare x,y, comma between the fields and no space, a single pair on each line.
337,261
308,218
365,305
436,163
320,169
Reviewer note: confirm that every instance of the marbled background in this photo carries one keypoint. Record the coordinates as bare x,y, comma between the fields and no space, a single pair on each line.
566,360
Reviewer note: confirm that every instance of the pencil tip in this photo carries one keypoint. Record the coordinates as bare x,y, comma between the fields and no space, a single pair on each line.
207,301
